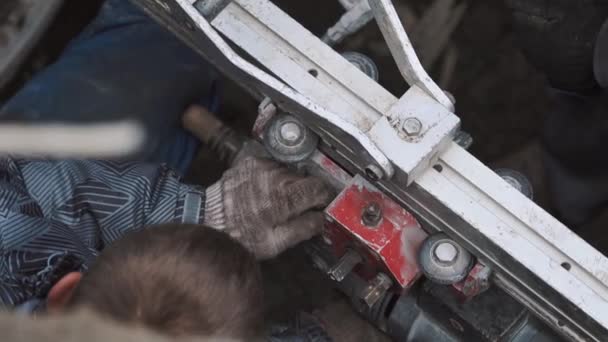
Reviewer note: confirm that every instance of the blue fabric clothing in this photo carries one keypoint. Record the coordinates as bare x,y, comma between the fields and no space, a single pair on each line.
123,65
55,216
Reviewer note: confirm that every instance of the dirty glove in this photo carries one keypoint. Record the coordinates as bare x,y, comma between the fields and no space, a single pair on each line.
265,207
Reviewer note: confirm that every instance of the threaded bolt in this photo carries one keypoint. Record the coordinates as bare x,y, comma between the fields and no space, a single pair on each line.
372,214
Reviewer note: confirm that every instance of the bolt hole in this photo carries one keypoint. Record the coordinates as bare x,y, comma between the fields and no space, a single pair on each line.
560,324
438,168
313,72
566,266
371,174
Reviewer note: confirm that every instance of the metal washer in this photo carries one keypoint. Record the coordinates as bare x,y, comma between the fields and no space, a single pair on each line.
443,271
363,63
294,149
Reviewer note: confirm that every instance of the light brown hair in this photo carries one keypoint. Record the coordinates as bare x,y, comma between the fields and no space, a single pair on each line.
180,280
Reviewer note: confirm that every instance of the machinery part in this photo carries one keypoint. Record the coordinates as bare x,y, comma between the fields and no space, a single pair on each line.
517,180
391,247
358,15
336,94
445,252
460,196
210,8
357,288
531,329
443,260
363,63
374,173
423,314
422,129
266,111
463,139
288,140
450,96
345,265
403,52
227,144
411,127
493,316
376,290
266,33
223,140
421,328
349,4
501,227
476,282
352,285
372,215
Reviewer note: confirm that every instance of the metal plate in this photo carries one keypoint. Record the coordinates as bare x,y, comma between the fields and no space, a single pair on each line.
392,244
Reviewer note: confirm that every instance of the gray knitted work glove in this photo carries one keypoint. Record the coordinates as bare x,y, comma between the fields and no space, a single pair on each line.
265,207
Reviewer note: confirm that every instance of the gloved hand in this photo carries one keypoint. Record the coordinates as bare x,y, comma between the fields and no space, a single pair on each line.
265,207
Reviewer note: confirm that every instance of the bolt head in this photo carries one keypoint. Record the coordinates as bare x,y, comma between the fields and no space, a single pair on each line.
411,127
446,252
374,172
373,209
290,133
372,214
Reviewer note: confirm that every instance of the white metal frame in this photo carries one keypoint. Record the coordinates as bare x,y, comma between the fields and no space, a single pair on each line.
292,53
403,51
524,245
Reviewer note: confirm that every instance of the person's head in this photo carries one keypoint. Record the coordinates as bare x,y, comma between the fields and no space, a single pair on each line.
181,280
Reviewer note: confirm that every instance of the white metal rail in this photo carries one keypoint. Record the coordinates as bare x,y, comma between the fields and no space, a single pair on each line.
536,258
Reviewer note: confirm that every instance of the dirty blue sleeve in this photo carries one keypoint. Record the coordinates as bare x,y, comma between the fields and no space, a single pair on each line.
123,65
55,216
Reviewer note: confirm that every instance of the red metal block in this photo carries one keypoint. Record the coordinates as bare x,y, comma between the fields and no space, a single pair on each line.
391,246
475,283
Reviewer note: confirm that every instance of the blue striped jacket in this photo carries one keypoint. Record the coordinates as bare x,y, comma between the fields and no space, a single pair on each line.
55,216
